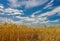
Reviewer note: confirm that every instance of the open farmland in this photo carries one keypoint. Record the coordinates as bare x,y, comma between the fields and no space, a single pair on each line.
12,32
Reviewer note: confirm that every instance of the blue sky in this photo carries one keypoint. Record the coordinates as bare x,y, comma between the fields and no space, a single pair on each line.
30,12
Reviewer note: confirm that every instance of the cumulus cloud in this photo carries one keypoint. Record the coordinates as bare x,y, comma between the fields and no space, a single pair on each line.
27,3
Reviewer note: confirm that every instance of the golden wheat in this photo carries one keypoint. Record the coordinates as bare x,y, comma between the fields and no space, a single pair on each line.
12,32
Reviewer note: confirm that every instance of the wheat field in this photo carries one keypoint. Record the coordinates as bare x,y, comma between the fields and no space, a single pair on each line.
12,32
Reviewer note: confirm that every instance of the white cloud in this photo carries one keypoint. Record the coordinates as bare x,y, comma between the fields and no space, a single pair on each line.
13,11
49,4
43,16
58,13
14,3
54,20
3,20
32,3
10,11
1,6
28,21
1,9
52,12
50,22
31,20
21,17
26,18
33,14
29,3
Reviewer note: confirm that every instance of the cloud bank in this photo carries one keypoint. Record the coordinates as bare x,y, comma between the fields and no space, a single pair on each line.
27,3
18,15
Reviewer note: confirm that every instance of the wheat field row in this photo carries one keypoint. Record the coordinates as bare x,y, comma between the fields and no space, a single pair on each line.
12,32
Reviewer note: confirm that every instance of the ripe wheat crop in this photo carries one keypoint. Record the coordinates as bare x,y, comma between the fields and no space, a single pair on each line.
12,32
